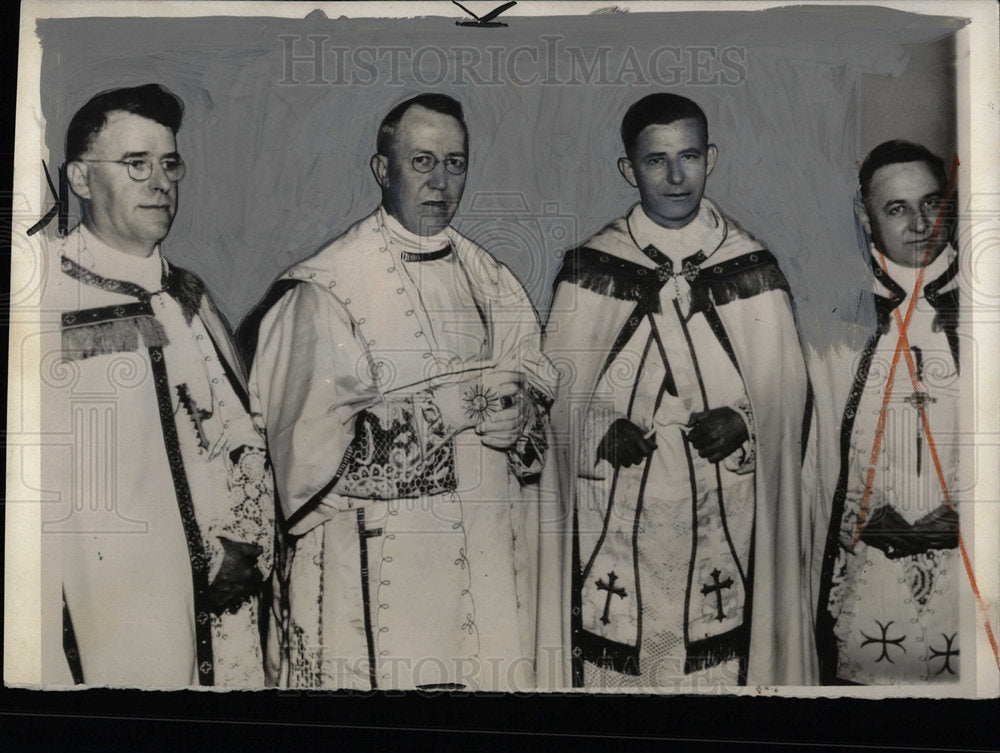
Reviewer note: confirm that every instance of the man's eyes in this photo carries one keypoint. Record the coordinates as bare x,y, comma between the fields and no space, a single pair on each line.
454,162
899,209
659,160
424,160
140,163
169,164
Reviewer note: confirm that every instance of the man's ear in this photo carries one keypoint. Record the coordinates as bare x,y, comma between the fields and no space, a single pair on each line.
711,155
861,212
76,176
627,171
380,169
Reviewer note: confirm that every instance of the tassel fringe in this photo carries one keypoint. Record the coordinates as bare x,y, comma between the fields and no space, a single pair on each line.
117,336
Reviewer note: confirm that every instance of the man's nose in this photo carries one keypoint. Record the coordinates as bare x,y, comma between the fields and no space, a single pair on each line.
158,181
438,177
921,221
675,175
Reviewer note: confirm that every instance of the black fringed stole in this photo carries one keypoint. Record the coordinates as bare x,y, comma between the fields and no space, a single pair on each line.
602,273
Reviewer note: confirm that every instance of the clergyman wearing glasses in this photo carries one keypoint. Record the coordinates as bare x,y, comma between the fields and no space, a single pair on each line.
160,526
405,398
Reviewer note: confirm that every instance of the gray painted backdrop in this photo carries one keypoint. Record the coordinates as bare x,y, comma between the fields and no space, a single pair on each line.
279,128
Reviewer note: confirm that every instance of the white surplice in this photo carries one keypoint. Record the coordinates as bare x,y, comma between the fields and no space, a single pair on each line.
688,575
896,620
152,457
413,556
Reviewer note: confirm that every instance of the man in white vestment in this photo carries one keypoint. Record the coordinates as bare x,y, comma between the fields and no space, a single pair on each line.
399,374
889,590
158,500
680,432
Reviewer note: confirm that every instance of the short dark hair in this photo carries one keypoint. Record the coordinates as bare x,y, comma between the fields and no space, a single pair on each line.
440,103
151,101
659,109
897,151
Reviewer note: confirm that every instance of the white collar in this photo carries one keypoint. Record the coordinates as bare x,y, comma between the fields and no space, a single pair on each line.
906,277
107,261
411,242
703,233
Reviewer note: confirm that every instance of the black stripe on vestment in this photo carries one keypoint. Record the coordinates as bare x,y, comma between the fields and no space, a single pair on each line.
631,325
249,329
604,652
826,641
296,517
234,380
187,289
87,277
931,289
363,535
106,314
614,479
428,256
946,309
576,609
694,545
719,330
192,534
666,386
744,663
718,473
718,648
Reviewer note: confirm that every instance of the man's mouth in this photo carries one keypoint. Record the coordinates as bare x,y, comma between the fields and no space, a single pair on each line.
437,204
155,206
677,195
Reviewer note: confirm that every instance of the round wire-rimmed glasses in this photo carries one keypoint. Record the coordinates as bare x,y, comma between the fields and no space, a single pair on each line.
424,163
140,169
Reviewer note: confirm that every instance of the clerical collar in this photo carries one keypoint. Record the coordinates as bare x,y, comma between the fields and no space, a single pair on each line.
705,233
106,261
413,247
906,277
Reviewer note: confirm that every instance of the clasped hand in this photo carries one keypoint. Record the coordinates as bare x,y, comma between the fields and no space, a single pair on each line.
238,579
889,531
500,429
717,433
714,433
493,403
